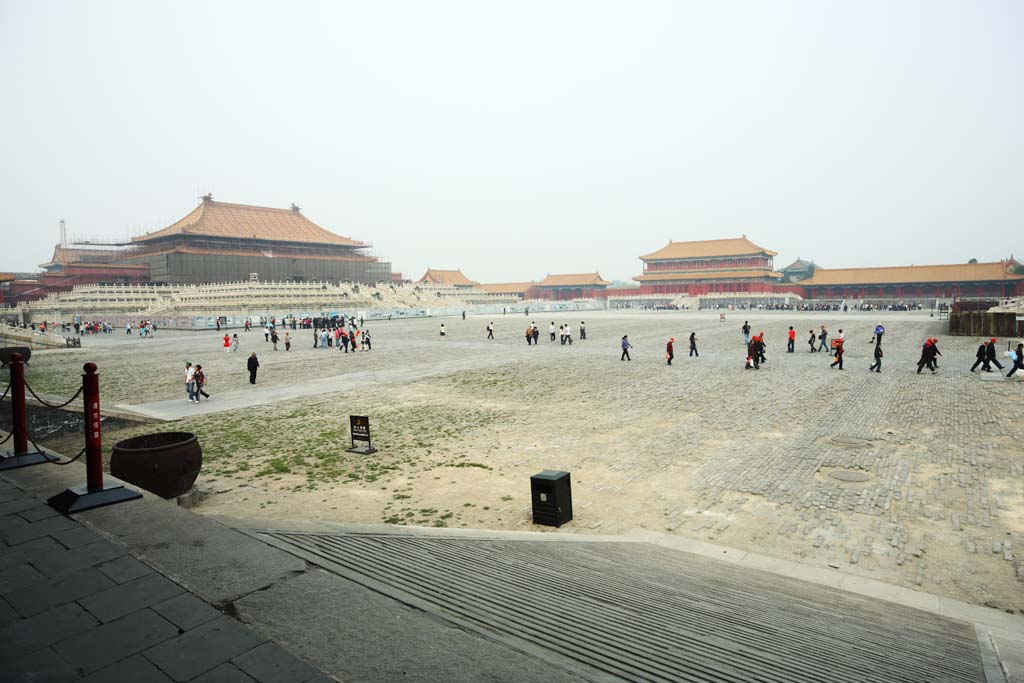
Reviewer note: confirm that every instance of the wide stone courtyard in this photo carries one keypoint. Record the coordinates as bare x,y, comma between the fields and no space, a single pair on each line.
703,448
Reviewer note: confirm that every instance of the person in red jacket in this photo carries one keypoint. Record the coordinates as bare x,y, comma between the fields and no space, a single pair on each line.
227,343
792,340
669,352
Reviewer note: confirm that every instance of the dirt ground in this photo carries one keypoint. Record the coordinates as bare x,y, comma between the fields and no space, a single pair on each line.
701,448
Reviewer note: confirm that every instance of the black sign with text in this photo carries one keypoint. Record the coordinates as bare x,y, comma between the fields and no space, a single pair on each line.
359,425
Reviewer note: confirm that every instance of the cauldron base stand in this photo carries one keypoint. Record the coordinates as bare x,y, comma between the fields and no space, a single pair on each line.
80,498
10,460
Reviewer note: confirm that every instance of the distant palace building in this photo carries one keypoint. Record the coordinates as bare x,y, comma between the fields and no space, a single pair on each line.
221,242
450,278
573,286
725,266
994,280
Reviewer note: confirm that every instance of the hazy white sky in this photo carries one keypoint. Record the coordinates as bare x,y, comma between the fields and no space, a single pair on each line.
523,138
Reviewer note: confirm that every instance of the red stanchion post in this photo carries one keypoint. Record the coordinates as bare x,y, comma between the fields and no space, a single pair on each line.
93,440
19,455
95,493
19,415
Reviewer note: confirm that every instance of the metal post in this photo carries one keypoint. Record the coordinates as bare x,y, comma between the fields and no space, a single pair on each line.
93,442
19,455
19,420
95,493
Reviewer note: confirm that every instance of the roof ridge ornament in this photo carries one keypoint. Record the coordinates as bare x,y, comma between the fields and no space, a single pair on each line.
207,198
296,208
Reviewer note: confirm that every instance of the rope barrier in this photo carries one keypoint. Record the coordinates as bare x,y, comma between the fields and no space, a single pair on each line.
7,438
6,391
52,405
55,462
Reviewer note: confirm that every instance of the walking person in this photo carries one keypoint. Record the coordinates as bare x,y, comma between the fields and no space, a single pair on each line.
536,334
810,341
982,357
626,346
367,346
227,343
583,330
1018,360
253,364
266,332
274,337
490,330
444,332
234,343
990,355
551,330
838,349
287,341
669,350
877,365
791,343
936,353
753,356
200,383
561,334
693,345
746,333
823,339
927,357
568,334
529,334
879,331
190,382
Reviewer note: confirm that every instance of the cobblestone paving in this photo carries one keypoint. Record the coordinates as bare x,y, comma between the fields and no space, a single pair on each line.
703,448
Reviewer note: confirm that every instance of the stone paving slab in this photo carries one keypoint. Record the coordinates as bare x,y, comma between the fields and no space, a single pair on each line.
75,606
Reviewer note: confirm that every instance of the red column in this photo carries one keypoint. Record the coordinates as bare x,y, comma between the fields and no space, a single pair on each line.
93,445
18,413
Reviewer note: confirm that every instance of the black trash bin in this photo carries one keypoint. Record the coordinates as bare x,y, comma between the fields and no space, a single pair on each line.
551,492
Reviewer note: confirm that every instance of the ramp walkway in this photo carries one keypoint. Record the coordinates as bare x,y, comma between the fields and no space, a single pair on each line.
636,612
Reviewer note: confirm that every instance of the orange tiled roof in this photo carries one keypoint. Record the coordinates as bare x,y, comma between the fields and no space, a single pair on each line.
707,275
179,249
68,255
574,280
445,277
733,246
6,277
242,221
956,272
508,287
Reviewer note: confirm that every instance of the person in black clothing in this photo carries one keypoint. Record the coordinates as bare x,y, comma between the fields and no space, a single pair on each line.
746,332
536,334
253,365
693,344
490,330
670,350
583,330
877,365
810,341
990,356
753,354
839,355
760,346
1018,364
935,355
927,357
982,356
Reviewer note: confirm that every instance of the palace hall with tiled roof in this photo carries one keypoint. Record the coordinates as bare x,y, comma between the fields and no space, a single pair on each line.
220,241
997,279
732,265
451,278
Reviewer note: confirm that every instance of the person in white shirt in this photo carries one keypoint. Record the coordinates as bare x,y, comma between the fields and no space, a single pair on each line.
190,382
551,331
568,335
